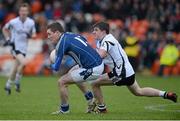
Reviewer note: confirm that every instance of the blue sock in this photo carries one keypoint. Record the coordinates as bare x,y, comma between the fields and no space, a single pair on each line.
64,107
88,95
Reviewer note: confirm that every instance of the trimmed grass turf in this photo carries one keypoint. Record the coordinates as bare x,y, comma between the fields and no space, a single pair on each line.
39,97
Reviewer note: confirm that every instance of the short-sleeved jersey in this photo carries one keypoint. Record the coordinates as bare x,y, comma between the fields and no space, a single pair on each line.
20,32
116,55
77,47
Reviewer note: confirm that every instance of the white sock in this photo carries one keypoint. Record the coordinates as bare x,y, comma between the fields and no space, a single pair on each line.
18,78
161,93
8,83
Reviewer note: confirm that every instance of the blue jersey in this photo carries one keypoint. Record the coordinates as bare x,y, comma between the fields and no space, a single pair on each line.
77,47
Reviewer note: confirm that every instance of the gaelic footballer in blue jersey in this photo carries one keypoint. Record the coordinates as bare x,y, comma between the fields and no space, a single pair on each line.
89,63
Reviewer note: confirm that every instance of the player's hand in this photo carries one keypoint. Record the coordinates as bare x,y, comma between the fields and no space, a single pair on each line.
117,71
48,66
7,43
53,67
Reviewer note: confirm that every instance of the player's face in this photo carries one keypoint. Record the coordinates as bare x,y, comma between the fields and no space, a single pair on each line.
23,12
98,34
53,36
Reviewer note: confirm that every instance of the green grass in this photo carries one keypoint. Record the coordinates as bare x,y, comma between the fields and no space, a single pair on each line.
39,97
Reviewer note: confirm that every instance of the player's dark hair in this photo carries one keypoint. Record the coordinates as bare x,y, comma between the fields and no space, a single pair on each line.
25,5
55,27
102,26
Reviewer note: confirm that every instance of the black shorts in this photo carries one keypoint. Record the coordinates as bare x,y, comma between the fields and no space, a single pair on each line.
128,81
17,52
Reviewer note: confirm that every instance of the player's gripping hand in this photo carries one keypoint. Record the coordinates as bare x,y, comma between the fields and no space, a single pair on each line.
117,71
7,43
53,67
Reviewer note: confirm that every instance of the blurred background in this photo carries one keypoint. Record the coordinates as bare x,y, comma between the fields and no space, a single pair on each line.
148,30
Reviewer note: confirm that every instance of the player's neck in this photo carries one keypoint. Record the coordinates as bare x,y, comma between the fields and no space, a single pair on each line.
103,36
23,19
60,35
58,38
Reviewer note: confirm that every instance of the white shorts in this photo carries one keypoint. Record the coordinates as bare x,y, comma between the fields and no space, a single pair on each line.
82,74
18,49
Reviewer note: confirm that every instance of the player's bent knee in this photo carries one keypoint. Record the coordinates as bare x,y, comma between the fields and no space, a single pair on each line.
95,84
61,82
22,65
137,92
23,62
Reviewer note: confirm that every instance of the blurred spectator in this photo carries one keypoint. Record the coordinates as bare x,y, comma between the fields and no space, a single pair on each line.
150,47
169,56
89,6
77,6
2,12
57,11
48,11
36,6
132,50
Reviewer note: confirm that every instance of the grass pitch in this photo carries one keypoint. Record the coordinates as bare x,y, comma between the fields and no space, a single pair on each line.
39,98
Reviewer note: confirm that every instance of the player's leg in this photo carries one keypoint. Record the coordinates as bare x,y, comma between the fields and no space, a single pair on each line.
71,77
88,75
103,80
76,75
145,91
22,62
83,87
151,92
88,96
63,83
79,79
11,77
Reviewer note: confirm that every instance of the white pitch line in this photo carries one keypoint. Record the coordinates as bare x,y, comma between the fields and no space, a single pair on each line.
162,107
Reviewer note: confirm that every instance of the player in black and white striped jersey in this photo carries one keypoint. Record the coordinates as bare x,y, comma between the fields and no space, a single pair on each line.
16,32
121,72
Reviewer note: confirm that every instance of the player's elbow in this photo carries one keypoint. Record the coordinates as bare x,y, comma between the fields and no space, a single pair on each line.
33,35
102,54
5,30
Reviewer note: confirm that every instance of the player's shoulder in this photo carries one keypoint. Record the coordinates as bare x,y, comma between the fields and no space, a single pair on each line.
14,20
70,35
30,20
109,38
65,36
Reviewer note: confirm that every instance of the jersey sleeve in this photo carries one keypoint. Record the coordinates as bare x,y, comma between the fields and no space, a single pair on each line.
61,49
106,45
33,28
8,25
